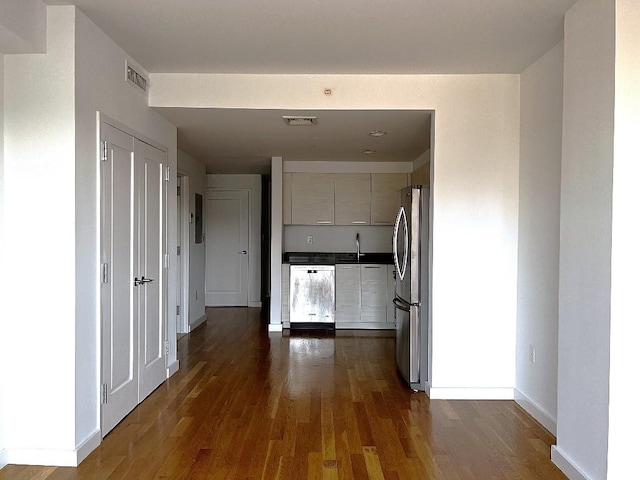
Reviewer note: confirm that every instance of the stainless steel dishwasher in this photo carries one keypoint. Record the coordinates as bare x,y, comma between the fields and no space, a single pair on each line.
312,296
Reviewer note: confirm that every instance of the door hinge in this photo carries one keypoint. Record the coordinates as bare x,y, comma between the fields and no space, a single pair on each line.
179,250
105,151
105,396
166,347
177,309
105,273
167,174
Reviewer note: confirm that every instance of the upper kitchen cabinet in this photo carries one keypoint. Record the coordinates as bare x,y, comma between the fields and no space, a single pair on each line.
286,198
312,198
385,196
353,199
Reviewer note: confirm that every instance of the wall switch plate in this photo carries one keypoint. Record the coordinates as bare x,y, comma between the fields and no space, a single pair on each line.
309,239
532,353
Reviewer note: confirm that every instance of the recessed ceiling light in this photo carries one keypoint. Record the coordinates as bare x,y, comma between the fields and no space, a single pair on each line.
368,151
377,133
296,121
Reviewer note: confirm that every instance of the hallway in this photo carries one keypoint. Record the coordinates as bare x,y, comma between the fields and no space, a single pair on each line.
249,405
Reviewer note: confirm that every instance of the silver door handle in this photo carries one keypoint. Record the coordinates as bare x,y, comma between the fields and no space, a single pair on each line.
243,252
140,281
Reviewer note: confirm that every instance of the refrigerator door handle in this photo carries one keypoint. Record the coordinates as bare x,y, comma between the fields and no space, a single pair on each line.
401,304
401,269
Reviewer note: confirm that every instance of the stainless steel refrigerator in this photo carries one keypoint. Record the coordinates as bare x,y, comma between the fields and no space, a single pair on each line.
411,258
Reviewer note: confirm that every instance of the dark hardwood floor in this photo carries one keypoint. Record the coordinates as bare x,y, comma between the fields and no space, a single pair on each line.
249,405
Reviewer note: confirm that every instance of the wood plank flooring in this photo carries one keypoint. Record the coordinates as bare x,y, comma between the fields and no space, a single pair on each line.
249,405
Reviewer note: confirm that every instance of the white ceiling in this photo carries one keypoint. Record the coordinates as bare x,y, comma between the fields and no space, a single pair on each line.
246,139
319,36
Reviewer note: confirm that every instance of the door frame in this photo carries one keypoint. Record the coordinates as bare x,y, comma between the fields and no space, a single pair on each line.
185,250
100,119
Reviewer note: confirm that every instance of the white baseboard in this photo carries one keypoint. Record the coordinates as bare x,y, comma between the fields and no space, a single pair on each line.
255,305
447,393
173,368
54,458
566,465
275,327
3,458
197,323
89,445
533,409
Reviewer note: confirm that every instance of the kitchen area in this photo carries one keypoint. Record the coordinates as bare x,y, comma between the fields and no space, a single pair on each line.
346,239
337,265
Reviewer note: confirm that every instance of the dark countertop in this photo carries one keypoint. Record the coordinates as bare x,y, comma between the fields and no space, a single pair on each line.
321,258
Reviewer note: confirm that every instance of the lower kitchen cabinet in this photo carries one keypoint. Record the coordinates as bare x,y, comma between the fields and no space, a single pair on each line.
362,297
373,288
347,293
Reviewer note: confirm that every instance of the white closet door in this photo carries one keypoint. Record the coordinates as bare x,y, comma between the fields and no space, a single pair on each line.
120,266
134,282
152,195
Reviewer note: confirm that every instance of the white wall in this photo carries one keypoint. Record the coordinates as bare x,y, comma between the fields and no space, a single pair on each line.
3,359
252,183
624,416
276,242
101,87
538,236
40,233
585,237
475,195
51,172
22,26
196,171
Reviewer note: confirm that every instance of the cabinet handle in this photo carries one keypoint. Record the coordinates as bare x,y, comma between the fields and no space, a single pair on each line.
371,267
324,222
359,222
382,222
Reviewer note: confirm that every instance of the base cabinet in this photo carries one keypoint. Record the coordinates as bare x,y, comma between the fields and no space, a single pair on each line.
362,297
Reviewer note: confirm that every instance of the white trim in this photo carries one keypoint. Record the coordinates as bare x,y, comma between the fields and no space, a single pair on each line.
185,249
255,304
448,393
197,323
4,458
275,327
568,467
173,368
57,458
542,417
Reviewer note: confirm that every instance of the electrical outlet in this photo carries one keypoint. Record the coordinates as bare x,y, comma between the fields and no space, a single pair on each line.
309,239
532,353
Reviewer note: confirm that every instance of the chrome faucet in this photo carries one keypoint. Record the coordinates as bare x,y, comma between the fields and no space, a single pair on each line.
358,254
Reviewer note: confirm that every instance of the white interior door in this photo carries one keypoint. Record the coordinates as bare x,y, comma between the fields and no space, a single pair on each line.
227,247
152,192
133,296
120,266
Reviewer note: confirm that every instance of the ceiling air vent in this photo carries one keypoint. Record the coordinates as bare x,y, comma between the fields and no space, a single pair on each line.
135,78
295,121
